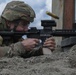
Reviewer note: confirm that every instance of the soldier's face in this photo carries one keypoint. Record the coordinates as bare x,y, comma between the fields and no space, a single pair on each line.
22,25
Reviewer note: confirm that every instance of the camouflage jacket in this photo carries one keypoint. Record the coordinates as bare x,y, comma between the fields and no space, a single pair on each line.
17,49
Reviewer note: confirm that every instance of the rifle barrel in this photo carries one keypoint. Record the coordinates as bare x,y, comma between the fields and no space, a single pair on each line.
64,32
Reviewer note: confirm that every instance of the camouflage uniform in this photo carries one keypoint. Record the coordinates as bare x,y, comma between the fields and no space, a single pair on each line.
15,10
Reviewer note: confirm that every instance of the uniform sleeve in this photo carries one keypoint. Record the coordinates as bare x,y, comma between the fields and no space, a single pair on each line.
35,52
18,49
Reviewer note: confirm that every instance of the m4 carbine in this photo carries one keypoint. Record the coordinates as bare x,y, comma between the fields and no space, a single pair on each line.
42,34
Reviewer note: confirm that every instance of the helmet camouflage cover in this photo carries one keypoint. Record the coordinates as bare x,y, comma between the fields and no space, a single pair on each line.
18,10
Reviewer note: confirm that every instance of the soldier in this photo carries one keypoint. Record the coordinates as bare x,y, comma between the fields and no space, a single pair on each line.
17,15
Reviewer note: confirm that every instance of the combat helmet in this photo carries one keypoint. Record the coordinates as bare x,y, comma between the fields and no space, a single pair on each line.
18,10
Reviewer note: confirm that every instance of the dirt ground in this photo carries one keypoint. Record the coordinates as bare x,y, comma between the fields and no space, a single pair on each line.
58,63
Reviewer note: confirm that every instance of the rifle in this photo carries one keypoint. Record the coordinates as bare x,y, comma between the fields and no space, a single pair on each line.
42,34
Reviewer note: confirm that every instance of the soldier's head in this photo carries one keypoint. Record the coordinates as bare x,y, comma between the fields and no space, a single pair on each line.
18,15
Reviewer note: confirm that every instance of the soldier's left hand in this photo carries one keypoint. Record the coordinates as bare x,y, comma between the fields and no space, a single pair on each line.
50,43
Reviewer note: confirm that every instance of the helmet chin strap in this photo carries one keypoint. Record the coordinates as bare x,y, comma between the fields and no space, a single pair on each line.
14,29
16,23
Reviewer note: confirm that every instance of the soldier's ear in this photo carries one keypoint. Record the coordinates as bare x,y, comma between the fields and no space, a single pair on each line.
8,23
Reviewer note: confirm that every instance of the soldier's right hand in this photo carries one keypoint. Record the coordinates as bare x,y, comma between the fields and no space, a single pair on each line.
30,43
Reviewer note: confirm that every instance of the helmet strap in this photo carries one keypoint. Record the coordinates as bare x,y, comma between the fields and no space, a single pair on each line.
4,26
16,23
